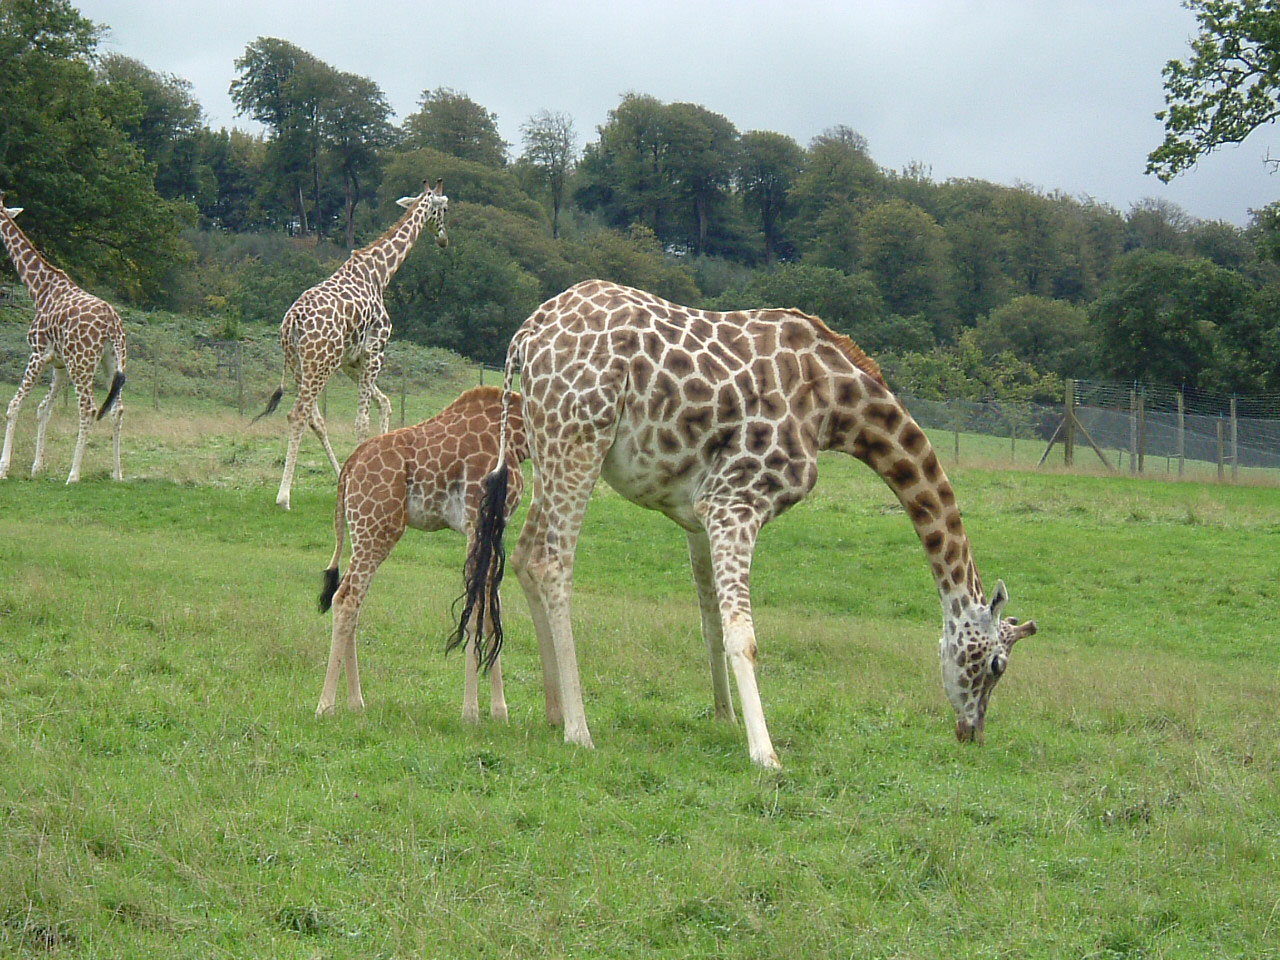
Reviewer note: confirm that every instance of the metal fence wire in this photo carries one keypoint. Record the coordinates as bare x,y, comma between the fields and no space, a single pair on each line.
1128,423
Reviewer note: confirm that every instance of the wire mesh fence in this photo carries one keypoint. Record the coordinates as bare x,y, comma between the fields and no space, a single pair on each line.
1132,427
1126,426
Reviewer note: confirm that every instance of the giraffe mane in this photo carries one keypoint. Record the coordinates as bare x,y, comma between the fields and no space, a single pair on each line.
38,252
368,247
850,349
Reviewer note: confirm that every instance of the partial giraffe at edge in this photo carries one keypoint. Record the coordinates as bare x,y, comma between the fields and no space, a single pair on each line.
716,421
342,323
71,329
428,476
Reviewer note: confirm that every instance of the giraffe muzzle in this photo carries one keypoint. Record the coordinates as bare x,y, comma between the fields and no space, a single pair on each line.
442,239
967,732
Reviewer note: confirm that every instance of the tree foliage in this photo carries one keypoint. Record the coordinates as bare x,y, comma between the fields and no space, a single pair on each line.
551,148
1227,90
67,158
453,123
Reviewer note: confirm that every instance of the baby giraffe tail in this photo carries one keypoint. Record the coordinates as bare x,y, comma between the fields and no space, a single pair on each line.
332,577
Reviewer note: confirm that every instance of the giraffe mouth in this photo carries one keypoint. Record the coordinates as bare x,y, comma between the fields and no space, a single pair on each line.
442,239
967,732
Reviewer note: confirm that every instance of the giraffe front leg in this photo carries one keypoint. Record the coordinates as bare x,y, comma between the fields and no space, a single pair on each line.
732,532
712,628
497,699
43,414
318,428
471,687
30,376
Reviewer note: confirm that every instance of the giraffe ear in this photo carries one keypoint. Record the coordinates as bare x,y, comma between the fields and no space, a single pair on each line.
998,599
13,211
406,202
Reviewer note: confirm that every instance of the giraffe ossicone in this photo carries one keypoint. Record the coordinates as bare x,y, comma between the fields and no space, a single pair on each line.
342,324
71,330
716,420
429,477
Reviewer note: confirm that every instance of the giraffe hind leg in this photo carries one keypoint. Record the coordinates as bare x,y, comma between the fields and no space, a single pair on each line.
712,629
84,398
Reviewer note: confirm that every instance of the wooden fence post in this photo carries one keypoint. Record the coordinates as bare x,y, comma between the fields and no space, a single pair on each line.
404,390
155,377
1235,448
1220,464
1182,436
240,376
1133,431
1013,441
1069,425
1142,434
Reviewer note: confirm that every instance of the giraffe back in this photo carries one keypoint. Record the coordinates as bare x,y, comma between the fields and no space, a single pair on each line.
692,404
437,466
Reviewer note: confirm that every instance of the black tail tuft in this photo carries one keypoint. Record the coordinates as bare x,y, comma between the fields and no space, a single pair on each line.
271,405
328,588
117,384
486,563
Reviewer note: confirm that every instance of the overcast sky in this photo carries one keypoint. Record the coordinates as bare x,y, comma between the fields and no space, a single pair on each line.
1055,93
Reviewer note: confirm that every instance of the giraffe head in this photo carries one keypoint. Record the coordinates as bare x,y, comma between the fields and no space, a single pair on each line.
975,654
437,206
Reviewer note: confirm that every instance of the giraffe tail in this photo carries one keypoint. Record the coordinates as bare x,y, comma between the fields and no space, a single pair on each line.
486,564
117,384
487,556
271,404
332,577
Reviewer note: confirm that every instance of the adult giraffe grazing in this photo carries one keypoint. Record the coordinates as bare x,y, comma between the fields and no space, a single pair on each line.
430,477
342,323
71,330
716,421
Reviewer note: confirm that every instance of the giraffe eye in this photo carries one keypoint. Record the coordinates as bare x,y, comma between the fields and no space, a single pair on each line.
998,663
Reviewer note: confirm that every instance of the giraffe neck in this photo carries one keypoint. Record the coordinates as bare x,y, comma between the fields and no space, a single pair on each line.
43,280
879,431
388,252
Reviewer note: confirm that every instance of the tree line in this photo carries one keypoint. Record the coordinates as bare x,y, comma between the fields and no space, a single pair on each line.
961,287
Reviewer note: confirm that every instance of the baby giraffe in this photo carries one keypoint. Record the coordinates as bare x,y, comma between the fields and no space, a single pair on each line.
428,476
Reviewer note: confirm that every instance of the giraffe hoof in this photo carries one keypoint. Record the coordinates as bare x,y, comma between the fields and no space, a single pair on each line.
581,739
324,710
283,504
498,715
471,716
769,761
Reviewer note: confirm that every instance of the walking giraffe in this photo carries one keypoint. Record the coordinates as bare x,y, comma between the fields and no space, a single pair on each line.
342,323
716,421
71,330
428,477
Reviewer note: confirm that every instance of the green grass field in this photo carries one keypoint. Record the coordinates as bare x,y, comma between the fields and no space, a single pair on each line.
165,790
